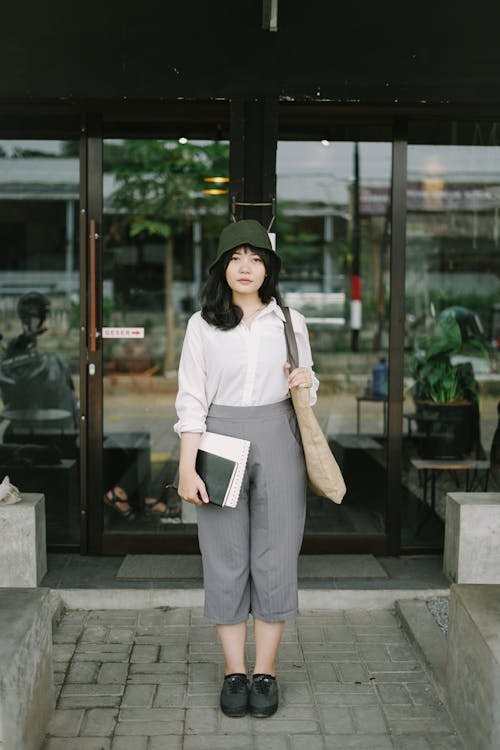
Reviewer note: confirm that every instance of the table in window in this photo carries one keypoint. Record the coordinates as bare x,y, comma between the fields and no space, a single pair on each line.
431,469
371,398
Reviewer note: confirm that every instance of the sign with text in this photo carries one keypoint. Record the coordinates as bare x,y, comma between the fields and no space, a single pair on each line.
120,332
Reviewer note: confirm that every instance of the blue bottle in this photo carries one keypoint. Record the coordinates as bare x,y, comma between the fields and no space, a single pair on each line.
380,379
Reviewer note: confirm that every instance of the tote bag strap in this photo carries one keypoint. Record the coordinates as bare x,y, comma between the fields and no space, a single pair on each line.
291,341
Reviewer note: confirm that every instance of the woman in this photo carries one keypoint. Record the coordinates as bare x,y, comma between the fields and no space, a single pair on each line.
234,380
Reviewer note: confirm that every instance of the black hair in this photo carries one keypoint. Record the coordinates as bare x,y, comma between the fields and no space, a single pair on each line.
217,306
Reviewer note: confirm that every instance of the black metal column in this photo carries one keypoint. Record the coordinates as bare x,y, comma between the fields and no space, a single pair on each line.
91,315
83,335
356,311
254,134
396,336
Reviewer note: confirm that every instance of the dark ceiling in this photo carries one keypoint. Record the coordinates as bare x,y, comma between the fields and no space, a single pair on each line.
350,52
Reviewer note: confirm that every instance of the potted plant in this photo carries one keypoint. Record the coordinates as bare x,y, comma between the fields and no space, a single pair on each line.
445,391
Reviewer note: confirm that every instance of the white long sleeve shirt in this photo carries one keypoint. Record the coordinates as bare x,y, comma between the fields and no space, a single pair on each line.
240,367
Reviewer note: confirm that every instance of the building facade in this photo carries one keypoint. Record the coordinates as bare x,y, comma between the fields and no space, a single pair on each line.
366,138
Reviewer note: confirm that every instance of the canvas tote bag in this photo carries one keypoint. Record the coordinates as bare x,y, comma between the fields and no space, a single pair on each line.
325,477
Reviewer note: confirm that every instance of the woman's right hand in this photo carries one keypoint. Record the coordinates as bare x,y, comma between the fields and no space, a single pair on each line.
192,488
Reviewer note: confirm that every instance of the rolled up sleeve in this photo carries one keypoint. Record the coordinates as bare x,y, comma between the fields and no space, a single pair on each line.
191,401
305,354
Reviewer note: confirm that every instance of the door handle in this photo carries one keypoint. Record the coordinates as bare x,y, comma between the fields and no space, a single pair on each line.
93,236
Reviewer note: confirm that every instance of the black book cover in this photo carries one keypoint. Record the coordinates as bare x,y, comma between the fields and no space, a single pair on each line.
216,472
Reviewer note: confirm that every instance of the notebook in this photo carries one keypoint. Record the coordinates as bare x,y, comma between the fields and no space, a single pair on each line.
221,462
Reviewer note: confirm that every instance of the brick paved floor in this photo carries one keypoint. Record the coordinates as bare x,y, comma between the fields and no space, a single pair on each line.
150,680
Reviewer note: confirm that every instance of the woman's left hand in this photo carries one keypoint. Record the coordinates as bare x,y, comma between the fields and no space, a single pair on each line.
298,378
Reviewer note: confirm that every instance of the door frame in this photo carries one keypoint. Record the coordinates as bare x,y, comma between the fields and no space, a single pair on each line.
253,128
91,460
95,128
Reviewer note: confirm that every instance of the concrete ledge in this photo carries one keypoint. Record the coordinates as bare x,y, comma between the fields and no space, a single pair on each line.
57,609
473,664
26,678
471,549
332,599
426,635
23,554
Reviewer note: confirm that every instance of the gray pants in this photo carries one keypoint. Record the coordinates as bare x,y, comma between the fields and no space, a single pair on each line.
250,553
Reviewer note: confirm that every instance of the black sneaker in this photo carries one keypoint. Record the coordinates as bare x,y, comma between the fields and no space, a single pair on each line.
234,695
263,695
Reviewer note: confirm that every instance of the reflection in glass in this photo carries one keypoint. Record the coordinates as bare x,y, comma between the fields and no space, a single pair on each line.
331,218
452,290
39,324
160,235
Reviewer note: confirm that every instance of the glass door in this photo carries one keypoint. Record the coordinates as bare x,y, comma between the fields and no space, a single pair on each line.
452,339
334,219
39,327
164,203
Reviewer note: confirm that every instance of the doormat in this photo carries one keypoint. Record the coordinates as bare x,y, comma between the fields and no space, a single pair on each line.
188,568
160,568
324,567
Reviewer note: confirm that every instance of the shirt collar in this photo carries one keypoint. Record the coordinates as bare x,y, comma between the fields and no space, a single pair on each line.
273,307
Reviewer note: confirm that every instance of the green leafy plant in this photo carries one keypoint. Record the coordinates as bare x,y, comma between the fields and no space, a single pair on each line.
157,194
437,377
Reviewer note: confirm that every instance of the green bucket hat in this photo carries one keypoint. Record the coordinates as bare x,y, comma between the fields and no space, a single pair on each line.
244,232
